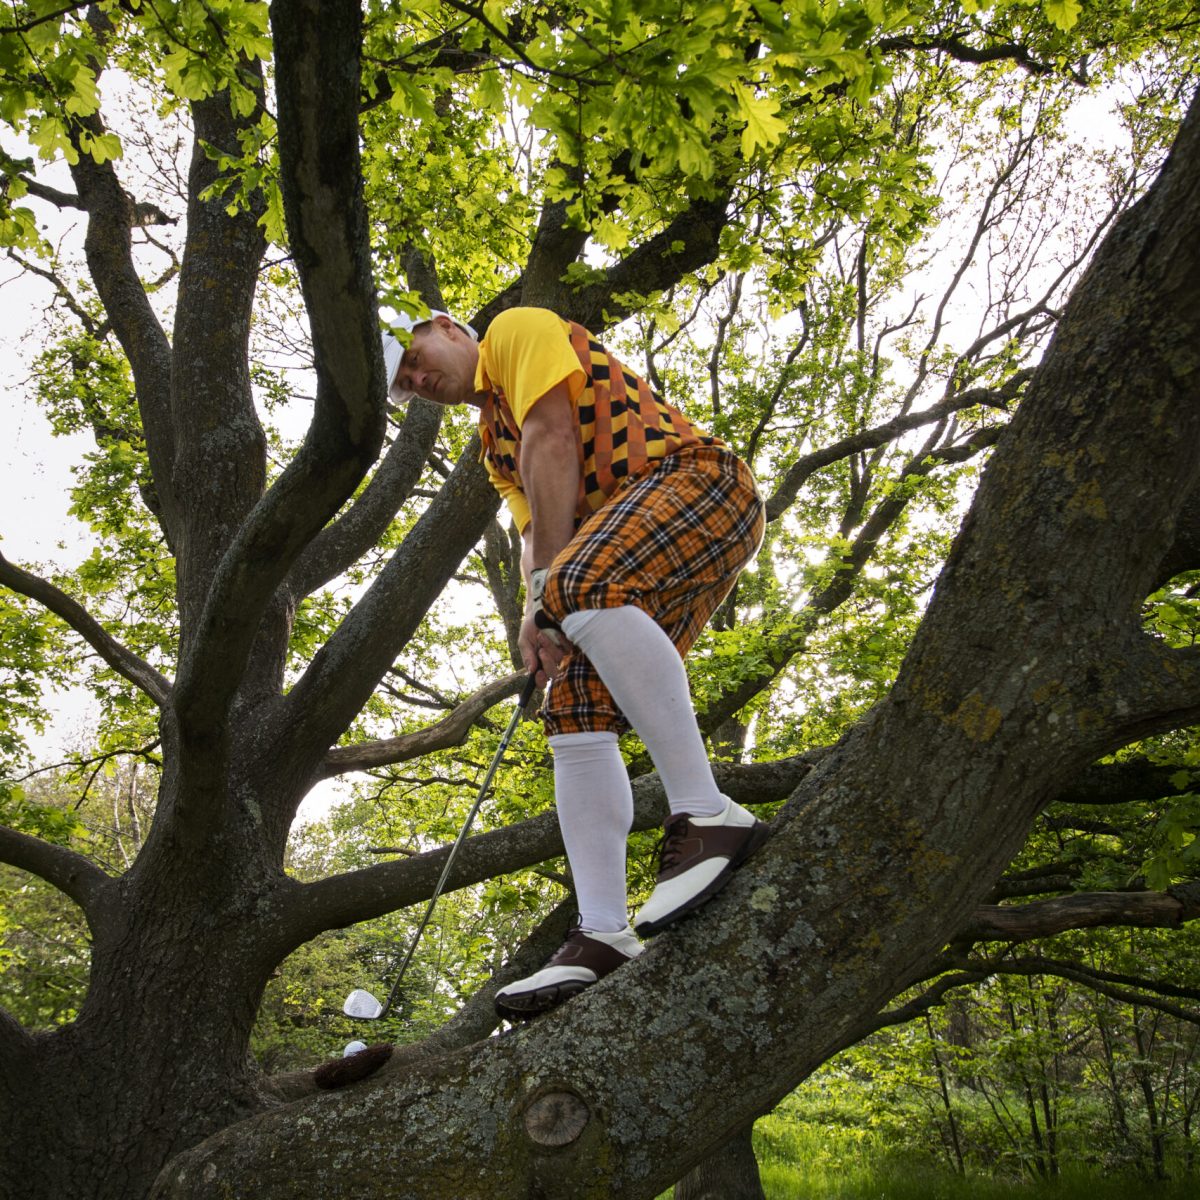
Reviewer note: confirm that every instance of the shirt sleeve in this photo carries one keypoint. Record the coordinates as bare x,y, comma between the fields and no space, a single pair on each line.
512,496
526,352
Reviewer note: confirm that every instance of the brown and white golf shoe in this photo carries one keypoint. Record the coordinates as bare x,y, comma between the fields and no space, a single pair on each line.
697,856
580,961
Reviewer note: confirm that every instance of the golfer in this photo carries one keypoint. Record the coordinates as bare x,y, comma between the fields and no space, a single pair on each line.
635,525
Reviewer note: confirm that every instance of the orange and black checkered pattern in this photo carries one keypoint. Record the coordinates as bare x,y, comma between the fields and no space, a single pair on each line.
671,540
624,425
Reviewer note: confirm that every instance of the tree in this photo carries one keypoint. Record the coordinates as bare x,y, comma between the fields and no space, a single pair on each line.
1029,664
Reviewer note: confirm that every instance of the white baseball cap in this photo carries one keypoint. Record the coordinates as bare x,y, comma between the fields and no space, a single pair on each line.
393,351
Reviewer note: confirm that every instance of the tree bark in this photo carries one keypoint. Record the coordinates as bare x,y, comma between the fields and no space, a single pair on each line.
729,1173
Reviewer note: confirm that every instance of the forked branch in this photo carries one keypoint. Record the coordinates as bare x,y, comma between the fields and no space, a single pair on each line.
451,730
800,471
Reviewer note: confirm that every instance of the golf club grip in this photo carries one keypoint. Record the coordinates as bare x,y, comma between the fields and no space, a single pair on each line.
527,692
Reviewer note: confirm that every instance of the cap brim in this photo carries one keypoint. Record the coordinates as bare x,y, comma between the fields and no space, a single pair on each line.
393,354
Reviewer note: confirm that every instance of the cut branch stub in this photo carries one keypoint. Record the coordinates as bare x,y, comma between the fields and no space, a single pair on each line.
556,1119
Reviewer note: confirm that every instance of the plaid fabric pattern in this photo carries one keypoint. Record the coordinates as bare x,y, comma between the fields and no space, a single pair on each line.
671,541
624,425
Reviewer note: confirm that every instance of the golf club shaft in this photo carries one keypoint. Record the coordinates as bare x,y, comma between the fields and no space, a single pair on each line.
522,701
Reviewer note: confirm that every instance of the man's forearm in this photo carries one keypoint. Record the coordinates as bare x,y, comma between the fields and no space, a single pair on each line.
550,477
552,501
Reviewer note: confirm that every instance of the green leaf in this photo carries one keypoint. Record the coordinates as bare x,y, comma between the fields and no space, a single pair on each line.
763,126
1063,13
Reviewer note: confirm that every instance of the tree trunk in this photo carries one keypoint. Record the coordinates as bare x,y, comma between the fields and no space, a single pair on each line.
159,1053
729,1173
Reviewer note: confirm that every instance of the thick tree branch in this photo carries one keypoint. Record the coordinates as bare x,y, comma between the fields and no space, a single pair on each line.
51,195
112,216
346,670
1052,877
451,730
1083,910
1184,554
120,658
143,213
222,478
14,1042
1125,782
964,52
690,240
71,873
1159,687
317,50
341,544
556,245
308,909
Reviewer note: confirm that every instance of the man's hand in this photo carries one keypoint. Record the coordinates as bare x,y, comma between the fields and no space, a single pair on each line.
542,650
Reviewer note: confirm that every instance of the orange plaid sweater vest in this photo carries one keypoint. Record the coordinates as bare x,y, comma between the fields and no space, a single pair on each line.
622,425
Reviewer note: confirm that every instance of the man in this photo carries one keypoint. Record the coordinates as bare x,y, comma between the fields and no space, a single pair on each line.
635,526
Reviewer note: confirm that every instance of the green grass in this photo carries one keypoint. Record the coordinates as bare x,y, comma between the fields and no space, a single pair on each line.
799,1160
804,1154
893,1181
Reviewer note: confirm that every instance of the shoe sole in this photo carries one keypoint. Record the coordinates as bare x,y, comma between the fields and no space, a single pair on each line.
524,1006
759,834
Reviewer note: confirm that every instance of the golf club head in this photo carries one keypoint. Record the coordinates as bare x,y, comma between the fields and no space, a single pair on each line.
360,1003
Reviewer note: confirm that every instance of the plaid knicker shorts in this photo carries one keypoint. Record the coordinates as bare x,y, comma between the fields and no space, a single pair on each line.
672,541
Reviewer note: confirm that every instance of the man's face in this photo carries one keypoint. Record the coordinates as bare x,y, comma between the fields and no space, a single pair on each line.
439,364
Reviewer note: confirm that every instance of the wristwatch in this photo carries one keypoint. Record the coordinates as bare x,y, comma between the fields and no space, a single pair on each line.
542,619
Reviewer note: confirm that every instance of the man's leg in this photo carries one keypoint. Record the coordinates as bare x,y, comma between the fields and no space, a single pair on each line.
619,555
595,811
632,591
708,836
646,677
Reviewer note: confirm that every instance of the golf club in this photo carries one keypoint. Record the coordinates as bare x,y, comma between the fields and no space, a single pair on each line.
360,1003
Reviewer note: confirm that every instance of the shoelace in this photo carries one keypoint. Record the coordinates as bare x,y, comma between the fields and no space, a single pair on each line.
670,845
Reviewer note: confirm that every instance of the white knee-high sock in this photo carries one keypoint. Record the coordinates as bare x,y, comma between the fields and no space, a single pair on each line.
642,669
595,812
